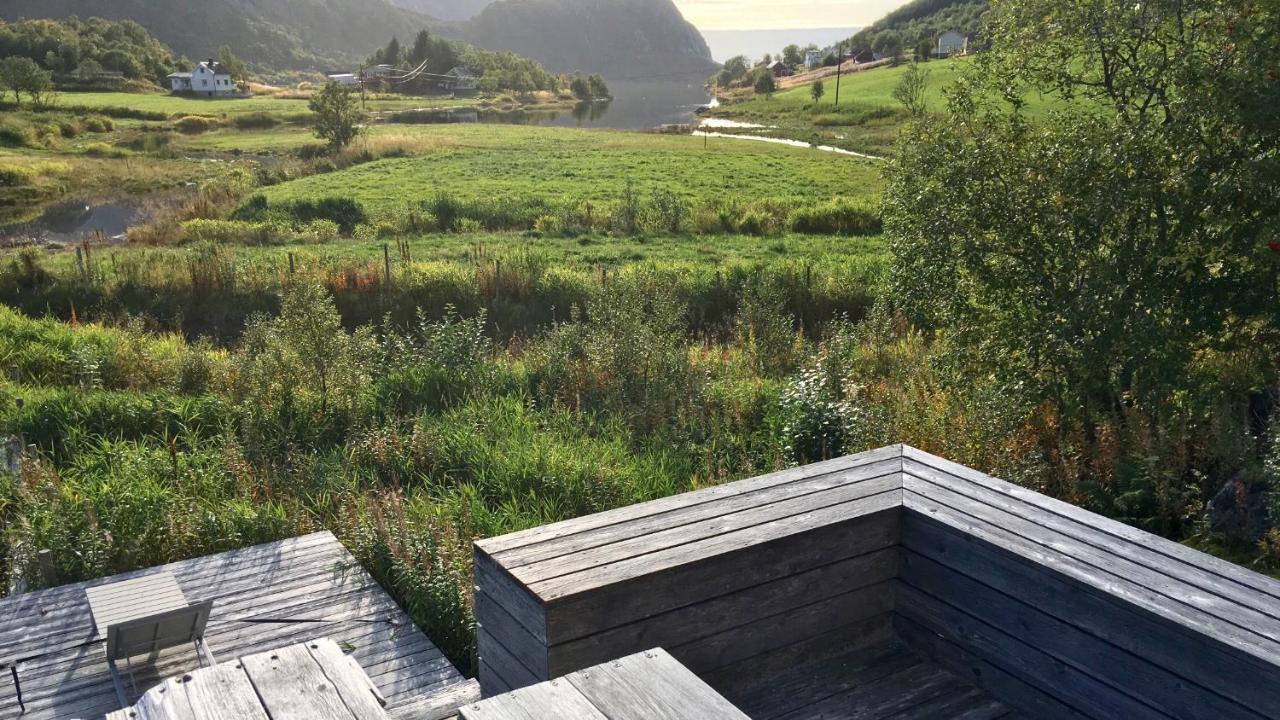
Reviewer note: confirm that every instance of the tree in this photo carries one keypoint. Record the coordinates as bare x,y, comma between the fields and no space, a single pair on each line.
338,117
911,88
21,75
599,89
924,50
765,84
735,68
888,44
391,55
422,48
1093,260
817,91
235,67
581,88
793,55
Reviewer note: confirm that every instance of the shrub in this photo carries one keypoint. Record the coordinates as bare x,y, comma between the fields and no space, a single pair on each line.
255,121
103,150
344,212
15,176
669,212
98,124
754,222
194,124
446,210
838,217
15,136
226,232
67,129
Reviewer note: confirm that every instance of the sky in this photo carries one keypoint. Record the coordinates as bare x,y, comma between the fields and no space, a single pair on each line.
783,14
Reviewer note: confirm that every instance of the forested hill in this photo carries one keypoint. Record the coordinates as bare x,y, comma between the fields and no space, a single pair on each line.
276,34
926,20
624,39
445,9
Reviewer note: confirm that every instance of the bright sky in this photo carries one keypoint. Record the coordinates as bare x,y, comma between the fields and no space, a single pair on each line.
783,14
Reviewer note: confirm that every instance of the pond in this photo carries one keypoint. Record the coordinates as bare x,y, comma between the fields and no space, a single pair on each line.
70,222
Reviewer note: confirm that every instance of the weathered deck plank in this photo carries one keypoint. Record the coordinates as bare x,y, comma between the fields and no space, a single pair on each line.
310,578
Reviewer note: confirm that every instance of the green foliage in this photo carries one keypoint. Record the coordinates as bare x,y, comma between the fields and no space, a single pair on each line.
764,83
837,217
338,117
921,21
817,90
23,76
1095,258
76,50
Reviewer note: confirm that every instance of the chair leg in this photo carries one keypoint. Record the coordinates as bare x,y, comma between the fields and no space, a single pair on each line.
17,687
115,680
206,655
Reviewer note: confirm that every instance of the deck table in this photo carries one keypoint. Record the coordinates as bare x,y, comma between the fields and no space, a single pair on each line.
121,602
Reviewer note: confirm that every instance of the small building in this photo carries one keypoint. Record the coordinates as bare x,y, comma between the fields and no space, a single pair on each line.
863,56
460,79
210,78
379,71
814,58
952,43
344,79
780,69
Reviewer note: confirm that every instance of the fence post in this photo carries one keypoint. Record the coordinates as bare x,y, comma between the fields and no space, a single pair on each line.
386,262
291,268
48,576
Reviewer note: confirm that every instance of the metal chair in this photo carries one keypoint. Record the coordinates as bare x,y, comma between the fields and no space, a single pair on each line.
153,633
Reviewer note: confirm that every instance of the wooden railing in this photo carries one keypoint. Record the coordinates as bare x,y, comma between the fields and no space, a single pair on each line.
1055,610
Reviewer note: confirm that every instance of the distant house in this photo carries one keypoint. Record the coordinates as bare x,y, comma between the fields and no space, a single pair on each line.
460,78
209,78
864,56
344,79
952,43
780,69
813,58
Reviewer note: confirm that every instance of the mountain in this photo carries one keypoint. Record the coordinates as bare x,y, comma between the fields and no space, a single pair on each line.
754,44
622,39
450,10
276,34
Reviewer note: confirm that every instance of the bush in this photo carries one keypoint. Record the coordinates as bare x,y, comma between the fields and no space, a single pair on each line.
15,176
15,135
103,150
344,212
98,124
255,121
227,232
194,124
755,222
838,217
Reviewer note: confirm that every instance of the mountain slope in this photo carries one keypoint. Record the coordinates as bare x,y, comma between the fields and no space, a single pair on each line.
926,20
445,9
278,34
623,39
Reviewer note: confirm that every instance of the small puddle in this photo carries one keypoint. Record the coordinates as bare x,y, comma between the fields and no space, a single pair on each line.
726,124
71,222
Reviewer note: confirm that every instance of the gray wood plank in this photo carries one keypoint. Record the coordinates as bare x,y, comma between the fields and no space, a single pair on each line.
440,705
1192,656
735,610
504,543
1124,533
1094,697
497,657
651,686
1184,583
643,551
293,687
726,564
355,688
556,698
223,692
651,525
1173,695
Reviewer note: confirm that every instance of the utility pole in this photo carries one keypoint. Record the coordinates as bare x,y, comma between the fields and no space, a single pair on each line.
839,67
364,76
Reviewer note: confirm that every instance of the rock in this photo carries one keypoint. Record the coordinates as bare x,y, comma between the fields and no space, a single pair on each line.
1239,510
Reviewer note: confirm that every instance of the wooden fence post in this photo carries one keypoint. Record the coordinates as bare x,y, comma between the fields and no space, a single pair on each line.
386,262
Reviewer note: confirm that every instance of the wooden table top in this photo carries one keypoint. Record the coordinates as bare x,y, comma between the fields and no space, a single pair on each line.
307,681
120,602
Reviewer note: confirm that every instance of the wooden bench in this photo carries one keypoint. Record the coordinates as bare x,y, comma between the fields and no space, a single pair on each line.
1054,610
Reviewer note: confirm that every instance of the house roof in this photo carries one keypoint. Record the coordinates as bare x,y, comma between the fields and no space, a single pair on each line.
461,72
186,75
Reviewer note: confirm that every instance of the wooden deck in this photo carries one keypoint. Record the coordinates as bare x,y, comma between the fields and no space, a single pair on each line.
264,597
650,685
1049,609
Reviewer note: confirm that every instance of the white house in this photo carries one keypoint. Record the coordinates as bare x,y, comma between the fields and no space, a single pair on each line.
952,43
344,79
813,58
209,79
460,78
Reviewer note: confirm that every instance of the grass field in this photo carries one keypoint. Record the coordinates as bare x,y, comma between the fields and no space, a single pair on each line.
867,118
502,161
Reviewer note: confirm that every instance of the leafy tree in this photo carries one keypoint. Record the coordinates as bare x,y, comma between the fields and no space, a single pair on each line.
391,55
765,84
235,66
817,91
338,116
924,50
793,55
599,88
1093,259
889,44
911,89
735,68
422,48
22,76
580,87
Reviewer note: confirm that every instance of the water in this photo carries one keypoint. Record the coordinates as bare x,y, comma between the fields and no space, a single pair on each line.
636,105
71,222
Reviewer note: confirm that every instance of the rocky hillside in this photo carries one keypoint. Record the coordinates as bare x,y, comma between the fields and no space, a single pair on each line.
450,10
623,39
